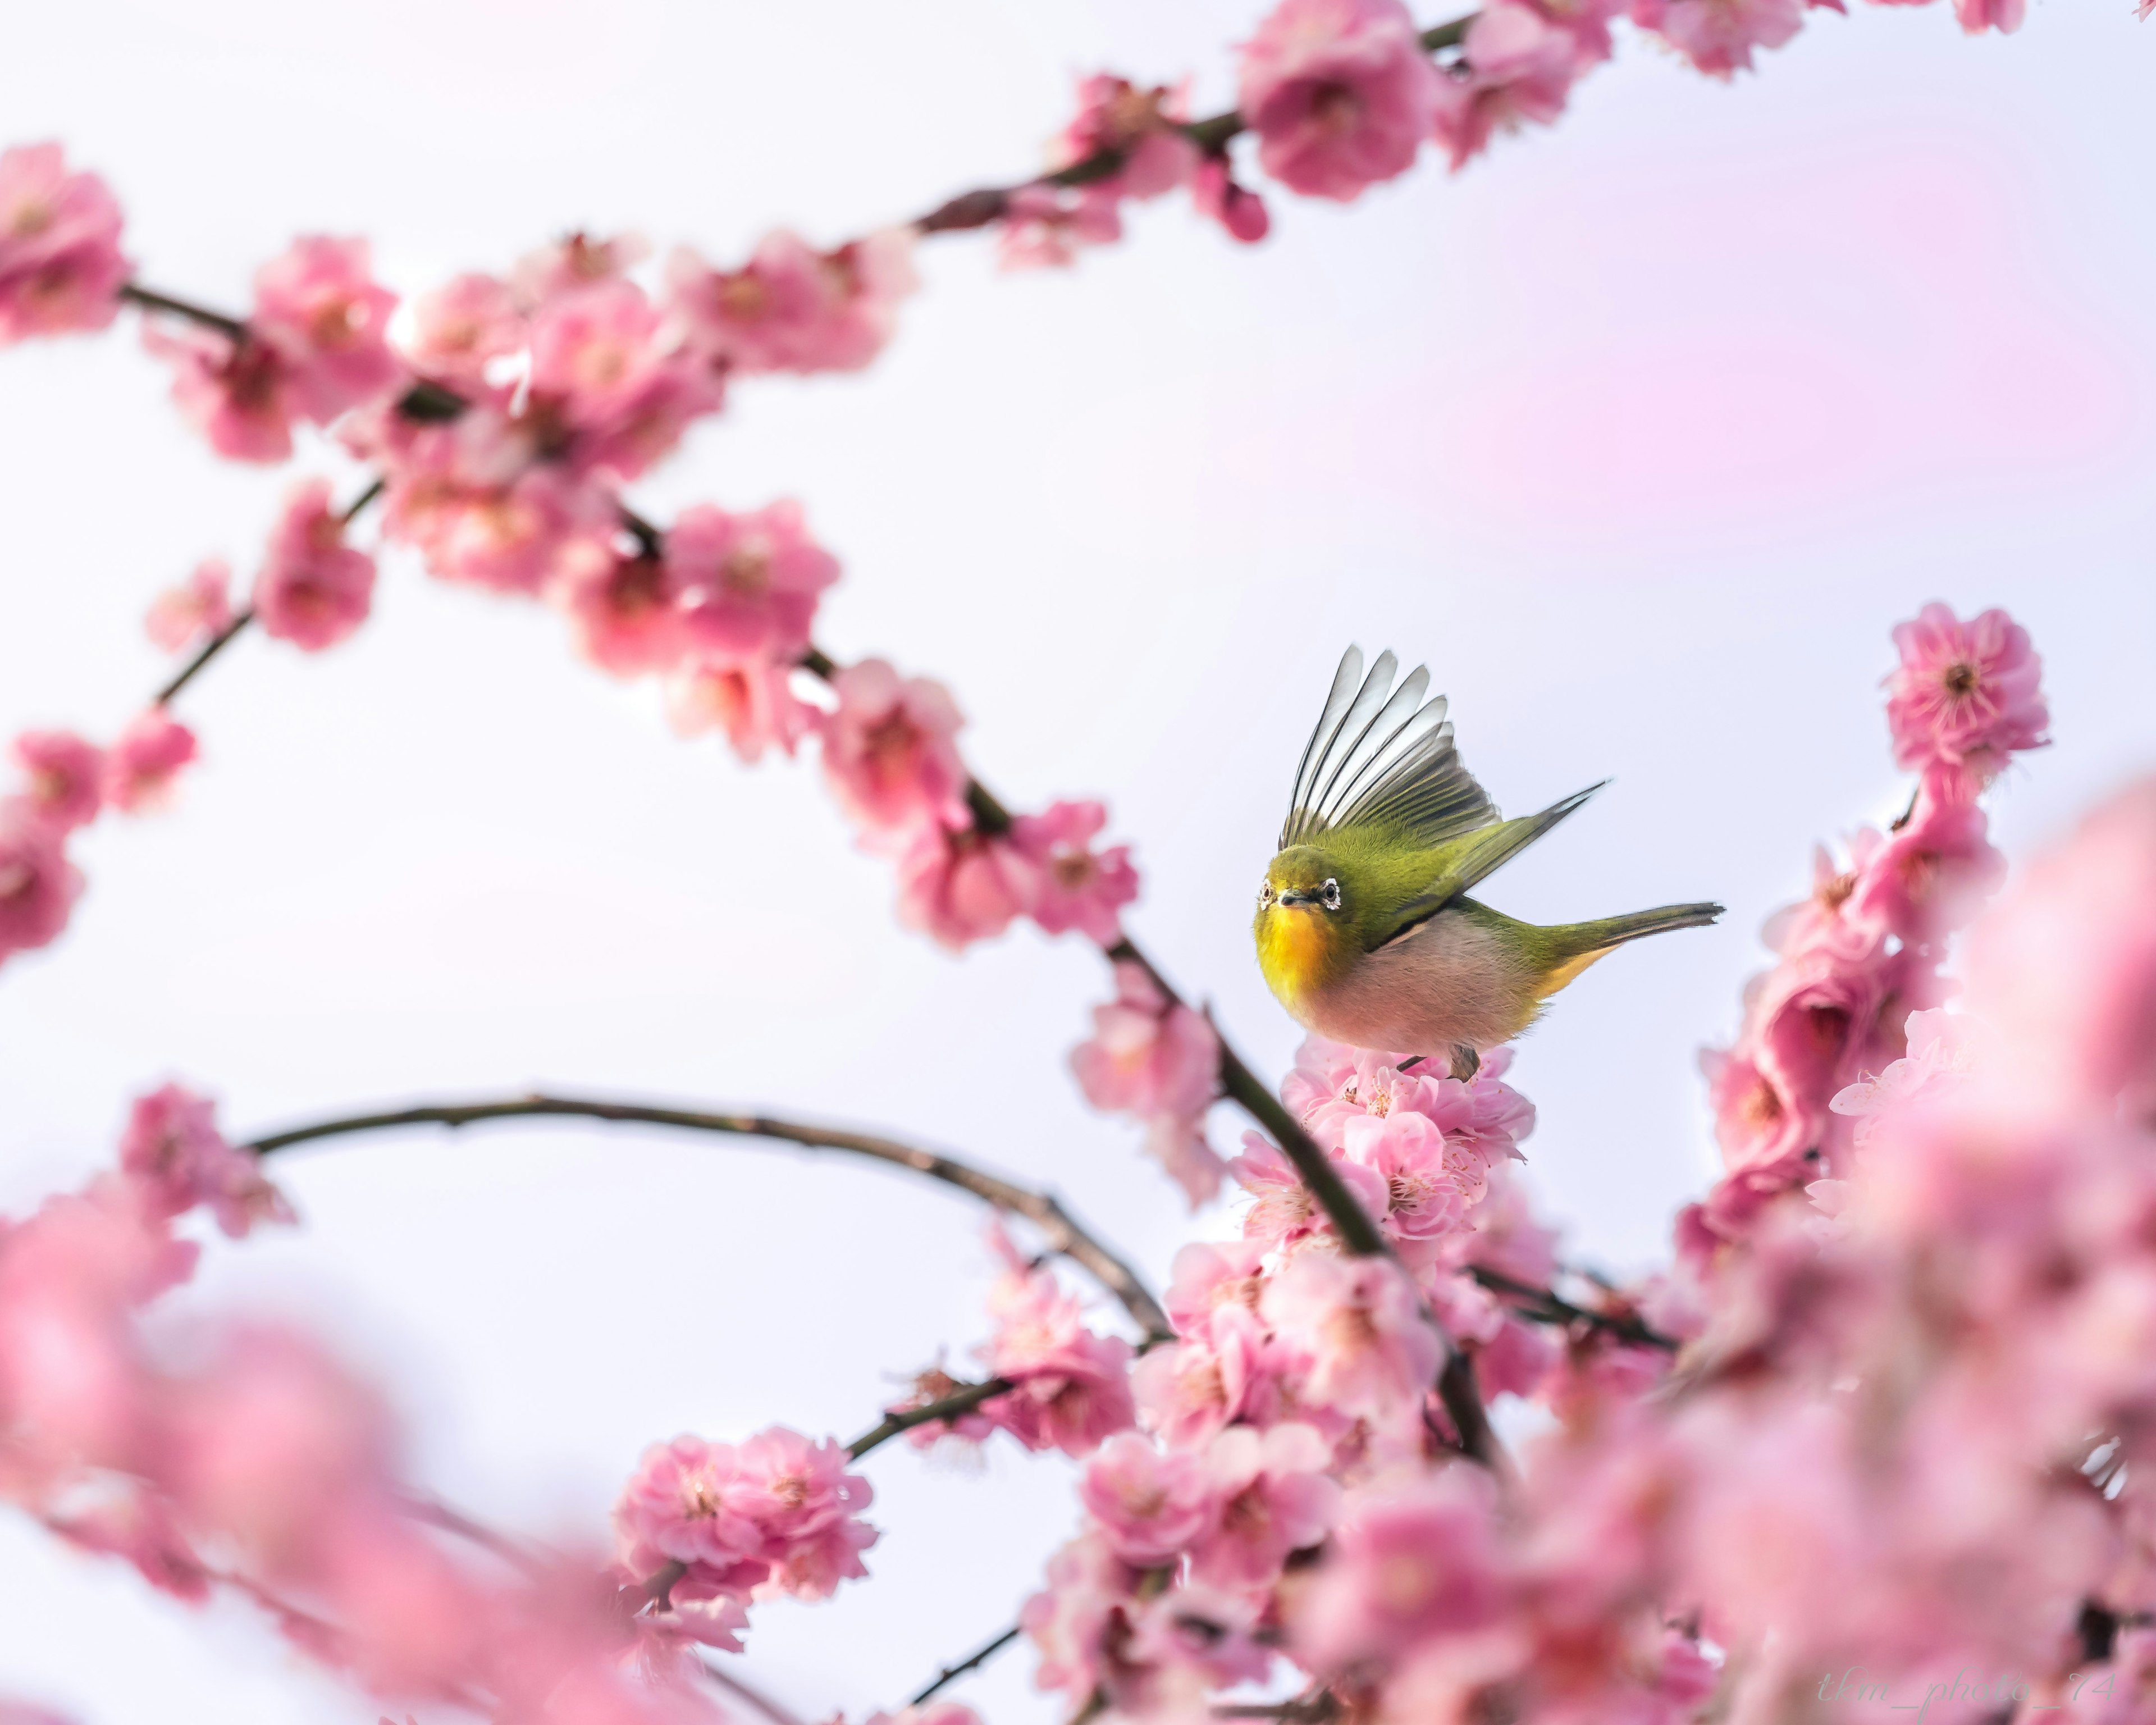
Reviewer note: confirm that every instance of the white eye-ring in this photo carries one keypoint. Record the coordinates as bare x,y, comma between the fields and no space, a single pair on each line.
1265,893
1328,895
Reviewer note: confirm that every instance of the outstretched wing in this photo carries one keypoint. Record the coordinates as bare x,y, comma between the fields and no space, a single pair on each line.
1381,755
1477,856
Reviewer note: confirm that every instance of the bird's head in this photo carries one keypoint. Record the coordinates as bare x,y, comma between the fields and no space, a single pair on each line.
1307,925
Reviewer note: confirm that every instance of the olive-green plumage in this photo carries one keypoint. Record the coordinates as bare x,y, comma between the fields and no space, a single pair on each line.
1364,928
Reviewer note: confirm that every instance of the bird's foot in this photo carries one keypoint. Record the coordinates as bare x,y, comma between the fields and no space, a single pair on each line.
1465,1062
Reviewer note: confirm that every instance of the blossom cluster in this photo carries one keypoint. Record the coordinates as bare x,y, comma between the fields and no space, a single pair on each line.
247,1459
1866,949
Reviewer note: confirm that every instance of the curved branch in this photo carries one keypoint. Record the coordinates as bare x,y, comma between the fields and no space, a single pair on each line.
961,1400
1058,1229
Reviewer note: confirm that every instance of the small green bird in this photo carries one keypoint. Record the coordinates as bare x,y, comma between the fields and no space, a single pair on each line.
1364,927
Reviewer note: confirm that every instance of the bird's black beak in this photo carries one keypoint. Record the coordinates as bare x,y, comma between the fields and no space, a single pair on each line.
1297,895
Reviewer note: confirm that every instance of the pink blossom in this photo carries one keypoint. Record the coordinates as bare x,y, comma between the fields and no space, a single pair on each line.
1761,1126
200,607
274,1445
933,1712
751,700
1284,1212
805,1509
625,608
1075,1618
460,328
1826,921
2064,965
63,774
2003,15
60,265
320,307
1339,92
1272,1498
1149,1055
1410,1561
1205,1277
888,751
962,886
1045,227
1426,1196
314,589
609,392
1190,1391
1073,1387
1941,1049
1116,117
1079,888
237,393
679,1507
1927,879
1518,69
39,885
178,1159
791,308
749,582
1149,1504
1718,36
1368,1347
576,261
141,767
1965,696
1156,1059
470,496
1217,196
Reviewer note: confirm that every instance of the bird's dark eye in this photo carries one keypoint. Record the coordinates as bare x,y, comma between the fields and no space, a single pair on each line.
1328,895
1265,892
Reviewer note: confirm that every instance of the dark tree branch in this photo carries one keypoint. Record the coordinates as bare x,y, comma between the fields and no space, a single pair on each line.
1545,1307
1063,1233
973,1661
210,648
150,300
961,1400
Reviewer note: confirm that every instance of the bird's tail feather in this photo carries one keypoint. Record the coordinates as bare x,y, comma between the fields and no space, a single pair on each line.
1583,942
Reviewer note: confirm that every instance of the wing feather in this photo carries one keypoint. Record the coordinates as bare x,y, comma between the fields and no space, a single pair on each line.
1381,755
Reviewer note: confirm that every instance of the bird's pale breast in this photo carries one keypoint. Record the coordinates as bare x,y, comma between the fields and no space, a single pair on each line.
1452,980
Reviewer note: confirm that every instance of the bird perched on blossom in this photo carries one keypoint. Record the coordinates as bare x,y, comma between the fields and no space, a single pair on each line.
1364,927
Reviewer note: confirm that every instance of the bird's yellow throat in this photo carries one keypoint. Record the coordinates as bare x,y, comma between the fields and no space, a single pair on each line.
1297,950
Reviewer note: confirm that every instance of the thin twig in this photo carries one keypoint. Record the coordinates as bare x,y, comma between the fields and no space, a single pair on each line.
963,1400
1062,1231
973,1661
1550,1307
210,648
150,300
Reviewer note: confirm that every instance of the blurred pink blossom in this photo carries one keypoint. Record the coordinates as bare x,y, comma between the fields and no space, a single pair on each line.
174,1153
63,774
314,589
142,767
751,700
1158,1060
965,885
319,306
1339,92
805,1508
1078,887
791,308
889,753
1518,66
749,582
61,263
199,607
1272,1497
1116,116
461,328
1073,1387
39,885
1718,36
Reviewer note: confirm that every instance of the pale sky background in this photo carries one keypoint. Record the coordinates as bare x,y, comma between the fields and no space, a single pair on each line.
1643,432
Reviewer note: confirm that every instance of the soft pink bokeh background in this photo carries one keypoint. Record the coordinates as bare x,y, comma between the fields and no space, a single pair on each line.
1642,432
